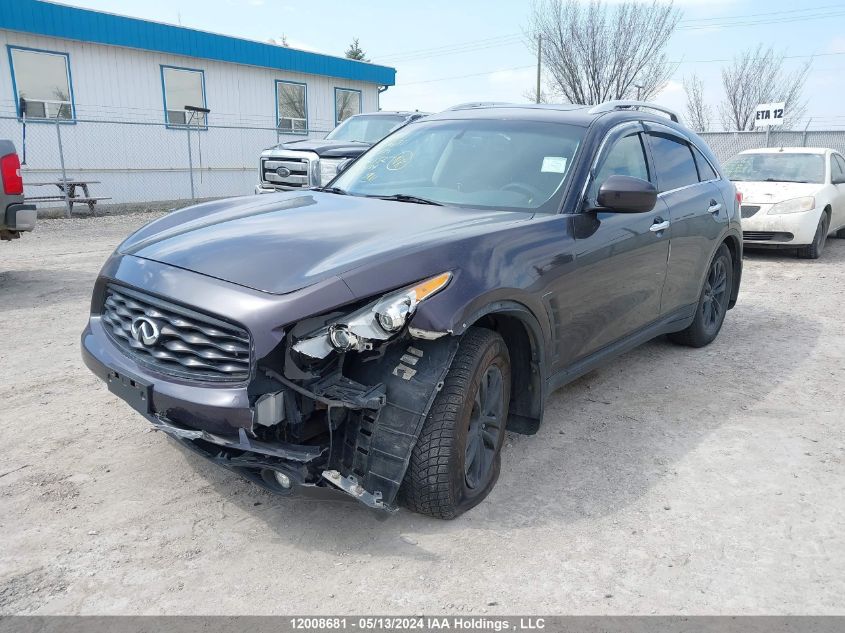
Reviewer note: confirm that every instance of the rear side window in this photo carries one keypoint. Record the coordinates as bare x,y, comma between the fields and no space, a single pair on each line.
705,170
673,162
625,158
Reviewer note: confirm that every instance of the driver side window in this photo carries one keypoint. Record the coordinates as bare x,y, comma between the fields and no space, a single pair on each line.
625,158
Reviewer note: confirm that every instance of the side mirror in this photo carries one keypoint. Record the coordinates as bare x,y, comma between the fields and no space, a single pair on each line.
626,194
343,165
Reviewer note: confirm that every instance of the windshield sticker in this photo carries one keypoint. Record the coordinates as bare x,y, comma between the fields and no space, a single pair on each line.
400,161
554,164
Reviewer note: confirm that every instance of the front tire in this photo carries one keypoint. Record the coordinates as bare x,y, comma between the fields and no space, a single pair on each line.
456,460
712,304
814,250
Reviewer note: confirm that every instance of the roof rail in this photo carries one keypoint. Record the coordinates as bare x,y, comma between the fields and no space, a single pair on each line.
610,106
476,104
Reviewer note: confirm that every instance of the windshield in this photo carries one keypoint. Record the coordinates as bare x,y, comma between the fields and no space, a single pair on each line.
366,129
509,165
776,167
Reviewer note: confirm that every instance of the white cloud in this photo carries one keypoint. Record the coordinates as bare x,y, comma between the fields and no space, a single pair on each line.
671,88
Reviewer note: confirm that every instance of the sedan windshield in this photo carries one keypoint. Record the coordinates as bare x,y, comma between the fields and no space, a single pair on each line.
365,129
497,164
776,167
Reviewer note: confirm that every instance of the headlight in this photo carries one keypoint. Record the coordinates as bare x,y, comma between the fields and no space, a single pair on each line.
393,311
796,205
377,321
328,169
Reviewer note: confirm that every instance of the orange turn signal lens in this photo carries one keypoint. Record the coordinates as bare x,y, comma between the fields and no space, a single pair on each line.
425,289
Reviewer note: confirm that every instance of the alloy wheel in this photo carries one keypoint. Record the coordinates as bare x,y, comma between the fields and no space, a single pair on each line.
715,293
485,428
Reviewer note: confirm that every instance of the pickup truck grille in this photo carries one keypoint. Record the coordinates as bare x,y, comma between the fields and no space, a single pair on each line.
288,173
187,343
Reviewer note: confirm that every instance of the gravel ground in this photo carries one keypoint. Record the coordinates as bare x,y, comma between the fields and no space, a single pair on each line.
670,481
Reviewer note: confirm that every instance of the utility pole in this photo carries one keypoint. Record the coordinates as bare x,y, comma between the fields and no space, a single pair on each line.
539,62
638,87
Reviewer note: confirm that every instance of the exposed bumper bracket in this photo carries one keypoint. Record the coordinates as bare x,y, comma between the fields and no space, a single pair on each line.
350,486
302,454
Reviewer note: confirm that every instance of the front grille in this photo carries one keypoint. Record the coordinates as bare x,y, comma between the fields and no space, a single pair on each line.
189,344
749,210
297,172
767,236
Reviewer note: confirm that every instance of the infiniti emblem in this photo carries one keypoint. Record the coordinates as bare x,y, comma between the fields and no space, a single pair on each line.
283,172
145,331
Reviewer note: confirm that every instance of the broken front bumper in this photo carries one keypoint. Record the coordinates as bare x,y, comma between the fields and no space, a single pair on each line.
365,458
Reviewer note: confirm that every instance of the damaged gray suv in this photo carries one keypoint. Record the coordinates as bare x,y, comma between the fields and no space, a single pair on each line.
374,339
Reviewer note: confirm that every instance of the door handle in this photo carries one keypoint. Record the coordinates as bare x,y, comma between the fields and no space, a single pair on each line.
714,207
659,226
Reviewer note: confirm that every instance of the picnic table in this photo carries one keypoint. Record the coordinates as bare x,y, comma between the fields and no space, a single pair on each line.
68,187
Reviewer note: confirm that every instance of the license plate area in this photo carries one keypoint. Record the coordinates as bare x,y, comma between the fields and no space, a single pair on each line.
135,392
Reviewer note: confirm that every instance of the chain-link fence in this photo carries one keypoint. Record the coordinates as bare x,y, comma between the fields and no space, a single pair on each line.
143,163
728,144
138,163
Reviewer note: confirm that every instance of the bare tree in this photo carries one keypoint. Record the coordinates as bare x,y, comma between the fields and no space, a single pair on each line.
530,96
698,112
758,76
594,53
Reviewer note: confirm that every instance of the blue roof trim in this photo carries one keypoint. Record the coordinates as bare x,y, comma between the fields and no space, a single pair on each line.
56,20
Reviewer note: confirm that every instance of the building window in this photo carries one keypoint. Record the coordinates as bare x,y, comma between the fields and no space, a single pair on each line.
347,103
291,107
183,87
42,78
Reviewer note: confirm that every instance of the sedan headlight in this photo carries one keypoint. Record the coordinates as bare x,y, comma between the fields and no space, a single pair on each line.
328,169
377,321
796,205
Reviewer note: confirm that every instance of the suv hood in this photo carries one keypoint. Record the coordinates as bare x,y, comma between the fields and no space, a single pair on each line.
279,243
322,147
774,192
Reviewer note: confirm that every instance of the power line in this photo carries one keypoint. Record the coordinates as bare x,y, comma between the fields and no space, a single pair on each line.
424,51
689,61
767,13
730,59
488,72
728,25
773,17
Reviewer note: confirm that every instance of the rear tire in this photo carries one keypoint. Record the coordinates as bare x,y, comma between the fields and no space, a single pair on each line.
840,234
814,250
456,460
712,304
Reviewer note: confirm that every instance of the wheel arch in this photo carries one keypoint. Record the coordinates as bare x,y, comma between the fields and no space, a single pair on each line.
523,337
734,244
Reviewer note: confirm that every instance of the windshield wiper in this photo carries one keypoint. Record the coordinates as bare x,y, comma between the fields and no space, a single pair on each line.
336,190
403,197
784,180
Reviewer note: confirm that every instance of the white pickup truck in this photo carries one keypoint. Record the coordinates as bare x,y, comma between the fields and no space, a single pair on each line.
314,162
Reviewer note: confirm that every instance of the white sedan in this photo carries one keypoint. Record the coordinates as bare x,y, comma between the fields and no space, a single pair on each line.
792,197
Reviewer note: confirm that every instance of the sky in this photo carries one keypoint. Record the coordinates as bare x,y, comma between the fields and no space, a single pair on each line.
452,51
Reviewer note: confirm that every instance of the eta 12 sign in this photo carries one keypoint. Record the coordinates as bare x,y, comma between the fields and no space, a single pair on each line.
769,114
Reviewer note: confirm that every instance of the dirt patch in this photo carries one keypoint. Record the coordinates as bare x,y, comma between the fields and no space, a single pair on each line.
670,481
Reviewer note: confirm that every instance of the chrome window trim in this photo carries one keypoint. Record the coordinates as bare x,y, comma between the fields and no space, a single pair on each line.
676,189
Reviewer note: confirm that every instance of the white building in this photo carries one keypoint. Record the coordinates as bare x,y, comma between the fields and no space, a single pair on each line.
118,87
